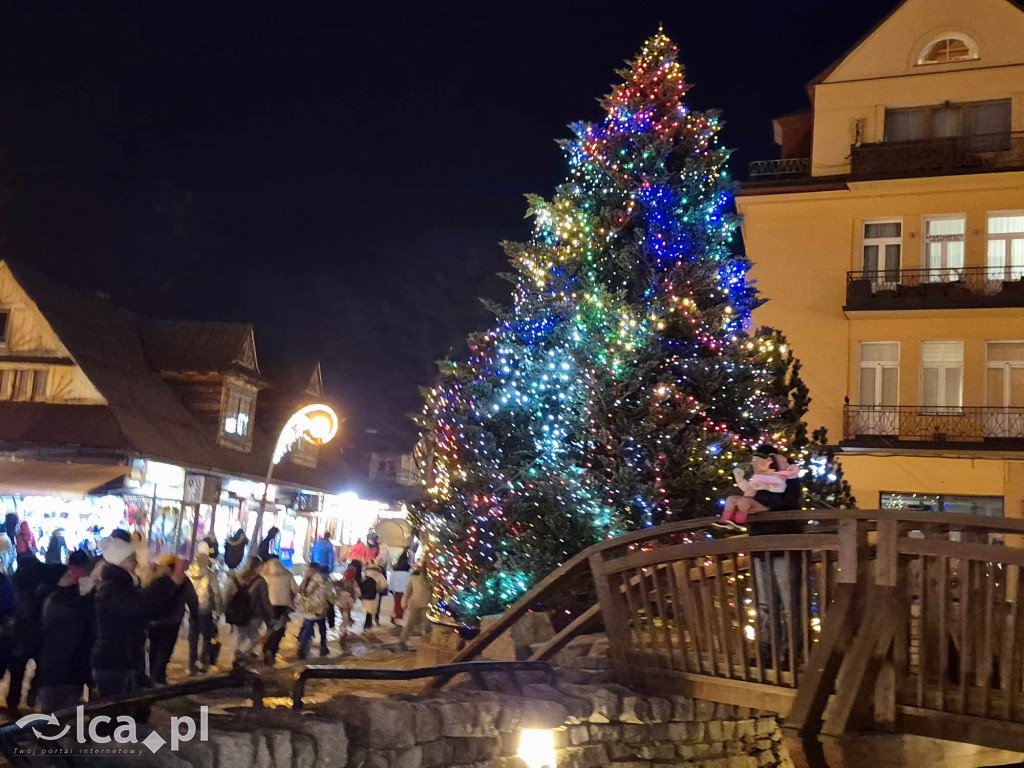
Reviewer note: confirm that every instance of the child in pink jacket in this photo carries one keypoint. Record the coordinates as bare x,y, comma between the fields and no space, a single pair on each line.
762,492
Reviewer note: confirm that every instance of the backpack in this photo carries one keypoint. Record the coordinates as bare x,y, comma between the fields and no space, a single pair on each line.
368,589
238,611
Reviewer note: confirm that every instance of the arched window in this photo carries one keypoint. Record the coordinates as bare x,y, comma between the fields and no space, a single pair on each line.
949,48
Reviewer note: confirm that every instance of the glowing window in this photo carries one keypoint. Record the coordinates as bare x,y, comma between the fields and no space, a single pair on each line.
948,49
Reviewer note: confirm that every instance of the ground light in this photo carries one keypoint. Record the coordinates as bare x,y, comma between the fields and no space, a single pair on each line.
537,748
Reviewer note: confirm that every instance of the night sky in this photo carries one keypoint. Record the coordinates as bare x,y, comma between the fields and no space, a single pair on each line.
341,175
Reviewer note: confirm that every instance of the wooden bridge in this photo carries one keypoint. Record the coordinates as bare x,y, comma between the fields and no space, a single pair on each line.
858,624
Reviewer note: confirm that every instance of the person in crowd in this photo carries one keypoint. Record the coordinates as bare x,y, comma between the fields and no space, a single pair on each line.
204,624
345,593
123,611
11,526
313,604
268,546
57,548
234,548
212,546
68,630
32,582
24,539
378,553
8,612
397,580
372,588
281,591
163,629
322,552
416,600
247,608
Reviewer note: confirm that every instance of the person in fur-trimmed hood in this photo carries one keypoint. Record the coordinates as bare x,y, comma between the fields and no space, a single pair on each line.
281,589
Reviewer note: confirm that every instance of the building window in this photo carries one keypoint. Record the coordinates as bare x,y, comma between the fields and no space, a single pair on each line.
942,375
948,50
5,321
1004,377
883,244
879,373
24,385
944,248
989,506
1005,259
987,122
238,413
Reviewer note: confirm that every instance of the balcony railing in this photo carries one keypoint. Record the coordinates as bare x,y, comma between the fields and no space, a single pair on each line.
987,426
956,154
957,288
780,170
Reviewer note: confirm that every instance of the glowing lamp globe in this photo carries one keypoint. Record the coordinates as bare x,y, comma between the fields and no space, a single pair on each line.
537,748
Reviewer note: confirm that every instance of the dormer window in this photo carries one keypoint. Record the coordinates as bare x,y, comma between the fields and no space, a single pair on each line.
948,49
238,403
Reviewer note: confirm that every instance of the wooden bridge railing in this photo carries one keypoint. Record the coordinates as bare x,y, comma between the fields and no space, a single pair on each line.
915,613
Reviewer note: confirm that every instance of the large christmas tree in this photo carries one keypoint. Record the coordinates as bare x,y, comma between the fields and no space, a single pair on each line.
622,386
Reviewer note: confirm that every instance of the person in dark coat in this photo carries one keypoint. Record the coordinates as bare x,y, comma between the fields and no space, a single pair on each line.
68,629
33,581
163,630
57,548
123,609
266,549
234,549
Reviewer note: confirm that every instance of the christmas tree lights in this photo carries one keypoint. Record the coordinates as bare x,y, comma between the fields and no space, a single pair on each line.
623,385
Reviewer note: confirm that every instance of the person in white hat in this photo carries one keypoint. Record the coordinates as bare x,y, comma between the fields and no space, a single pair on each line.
123,609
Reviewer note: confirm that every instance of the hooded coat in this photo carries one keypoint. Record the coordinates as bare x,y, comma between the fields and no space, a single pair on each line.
234,548
68,630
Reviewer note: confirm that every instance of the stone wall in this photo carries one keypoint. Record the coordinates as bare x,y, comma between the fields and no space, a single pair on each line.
595,726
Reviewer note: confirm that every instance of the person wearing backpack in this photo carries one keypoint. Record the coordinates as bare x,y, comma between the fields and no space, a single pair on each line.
247,608
372,588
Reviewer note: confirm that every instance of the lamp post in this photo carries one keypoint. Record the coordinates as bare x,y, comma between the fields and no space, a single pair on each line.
316,423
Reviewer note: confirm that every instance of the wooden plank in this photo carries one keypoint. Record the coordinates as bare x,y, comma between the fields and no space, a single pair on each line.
589,618
887,553
791,619
758,640
773,624
963,550
665,634
852,537
943,627
861,664
730,546
707,604
636,633
986,644
819,677
769,698
805,606
922,644
724,621
615,620
692,615
965,635
677,614
980,731
1010,666
740,625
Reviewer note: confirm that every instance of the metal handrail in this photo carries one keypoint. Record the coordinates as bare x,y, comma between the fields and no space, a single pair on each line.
235,679
990,151
968,423
444,671
783,168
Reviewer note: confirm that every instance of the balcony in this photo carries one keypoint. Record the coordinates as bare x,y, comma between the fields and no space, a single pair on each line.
960,288
936,157
779,170
934,427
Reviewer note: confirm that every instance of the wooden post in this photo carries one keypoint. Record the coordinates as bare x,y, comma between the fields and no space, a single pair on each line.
615,619
852,542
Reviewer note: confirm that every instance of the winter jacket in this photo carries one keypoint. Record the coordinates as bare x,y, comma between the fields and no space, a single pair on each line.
184,597
68,630
417,593
234,548
315,596
33,581
266,548
281,585
399,580
322,552
123,610
378,578
24,538
205,583
56,549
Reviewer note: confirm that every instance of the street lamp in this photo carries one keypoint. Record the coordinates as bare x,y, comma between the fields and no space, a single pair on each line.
315,423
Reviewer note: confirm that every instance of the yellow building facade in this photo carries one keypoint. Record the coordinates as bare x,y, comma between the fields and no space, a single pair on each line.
889,242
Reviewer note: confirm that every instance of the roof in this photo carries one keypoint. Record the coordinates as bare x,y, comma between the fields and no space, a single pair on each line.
821,76
143,416
200,347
